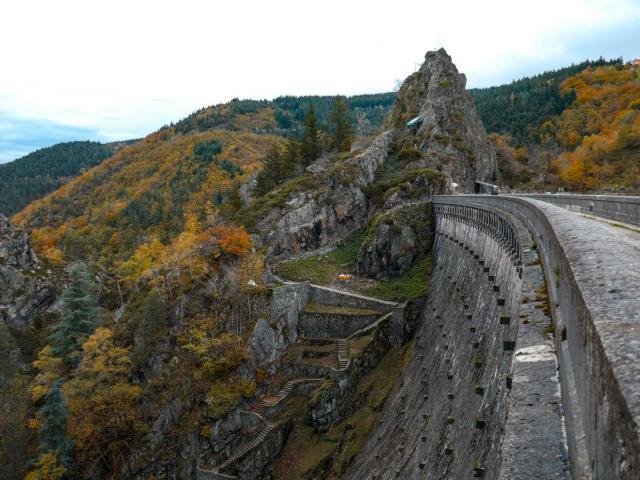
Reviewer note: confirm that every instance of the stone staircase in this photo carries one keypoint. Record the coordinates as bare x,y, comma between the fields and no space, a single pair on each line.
343,351
268,402
245,448
215,472
371,326
266,428
344,358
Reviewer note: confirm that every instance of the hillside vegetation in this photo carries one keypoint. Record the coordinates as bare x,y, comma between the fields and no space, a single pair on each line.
575,128
368,112
600,130
518,109
142,194
43,171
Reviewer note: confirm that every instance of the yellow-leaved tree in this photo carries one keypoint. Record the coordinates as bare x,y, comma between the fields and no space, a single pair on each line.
104,417
47,468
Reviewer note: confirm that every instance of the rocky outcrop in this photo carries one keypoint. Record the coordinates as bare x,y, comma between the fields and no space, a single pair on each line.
396,239
24,289
448,132
417,186
336,205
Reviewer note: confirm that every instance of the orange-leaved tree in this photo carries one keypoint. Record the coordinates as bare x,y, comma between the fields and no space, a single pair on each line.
232,240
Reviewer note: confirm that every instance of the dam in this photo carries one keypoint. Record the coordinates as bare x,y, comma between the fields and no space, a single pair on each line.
526,361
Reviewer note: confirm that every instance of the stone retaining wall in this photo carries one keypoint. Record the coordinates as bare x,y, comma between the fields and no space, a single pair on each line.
332,325
331,296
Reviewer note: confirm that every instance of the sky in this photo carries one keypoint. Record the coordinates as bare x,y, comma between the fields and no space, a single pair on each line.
89,70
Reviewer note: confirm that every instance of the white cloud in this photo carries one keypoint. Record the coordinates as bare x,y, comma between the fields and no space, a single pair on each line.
125,68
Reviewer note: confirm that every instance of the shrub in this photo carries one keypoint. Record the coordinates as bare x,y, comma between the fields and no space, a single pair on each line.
409,154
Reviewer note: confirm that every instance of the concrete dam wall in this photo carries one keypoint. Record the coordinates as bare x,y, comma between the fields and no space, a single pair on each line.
450,407
593,277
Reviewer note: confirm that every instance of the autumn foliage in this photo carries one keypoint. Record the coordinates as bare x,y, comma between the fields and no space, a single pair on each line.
601,130
232,240
103,411
144,195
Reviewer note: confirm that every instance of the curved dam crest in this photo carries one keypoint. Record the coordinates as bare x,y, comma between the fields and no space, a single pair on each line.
488,393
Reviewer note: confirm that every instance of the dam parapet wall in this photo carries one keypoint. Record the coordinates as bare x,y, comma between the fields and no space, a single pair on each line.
614,207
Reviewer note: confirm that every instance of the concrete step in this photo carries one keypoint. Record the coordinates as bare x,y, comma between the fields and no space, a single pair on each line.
247,447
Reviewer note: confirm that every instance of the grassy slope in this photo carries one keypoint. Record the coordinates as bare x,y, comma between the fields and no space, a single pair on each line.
323,270
313,307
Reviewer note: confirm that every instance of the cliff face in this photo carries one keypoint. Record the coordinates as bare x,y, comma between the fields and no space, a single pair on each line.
24,289
334,206
395,242
449,133
25,293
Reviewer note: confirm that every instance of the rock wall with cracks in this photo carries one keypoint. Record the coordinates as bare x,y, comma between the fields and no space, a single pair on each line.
446,416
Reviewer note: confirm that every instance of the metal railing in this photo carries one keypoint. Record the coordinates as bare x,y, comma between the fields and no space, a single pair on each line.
496,226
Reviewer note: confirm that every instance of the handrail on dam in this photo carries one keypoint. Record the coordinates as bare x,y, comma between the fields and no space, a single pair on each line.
496,226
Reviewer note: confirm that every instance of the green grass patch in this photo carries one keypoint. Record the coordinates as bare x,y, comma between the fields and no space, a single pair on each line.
413,284
323,269
314,307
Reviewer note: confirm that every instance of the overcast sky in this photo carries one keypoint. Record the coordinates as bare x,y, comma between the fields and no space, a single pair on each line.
75,70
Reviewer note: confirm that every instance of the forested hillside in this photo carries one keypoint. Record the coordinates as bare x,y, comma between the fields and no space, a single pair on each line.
162,282
43,171
518,109
600,131
368,112
574,128
194,167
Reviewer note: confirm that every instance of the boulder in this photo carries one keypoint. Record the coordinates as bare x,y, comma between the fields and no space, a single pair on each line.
395,240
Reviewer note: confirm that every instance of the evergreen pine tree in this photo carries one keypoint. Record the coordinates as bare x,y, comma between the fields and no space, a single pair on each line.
291,162
54,427
79,315
342,135
272,173
150,324
234,199
310,147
